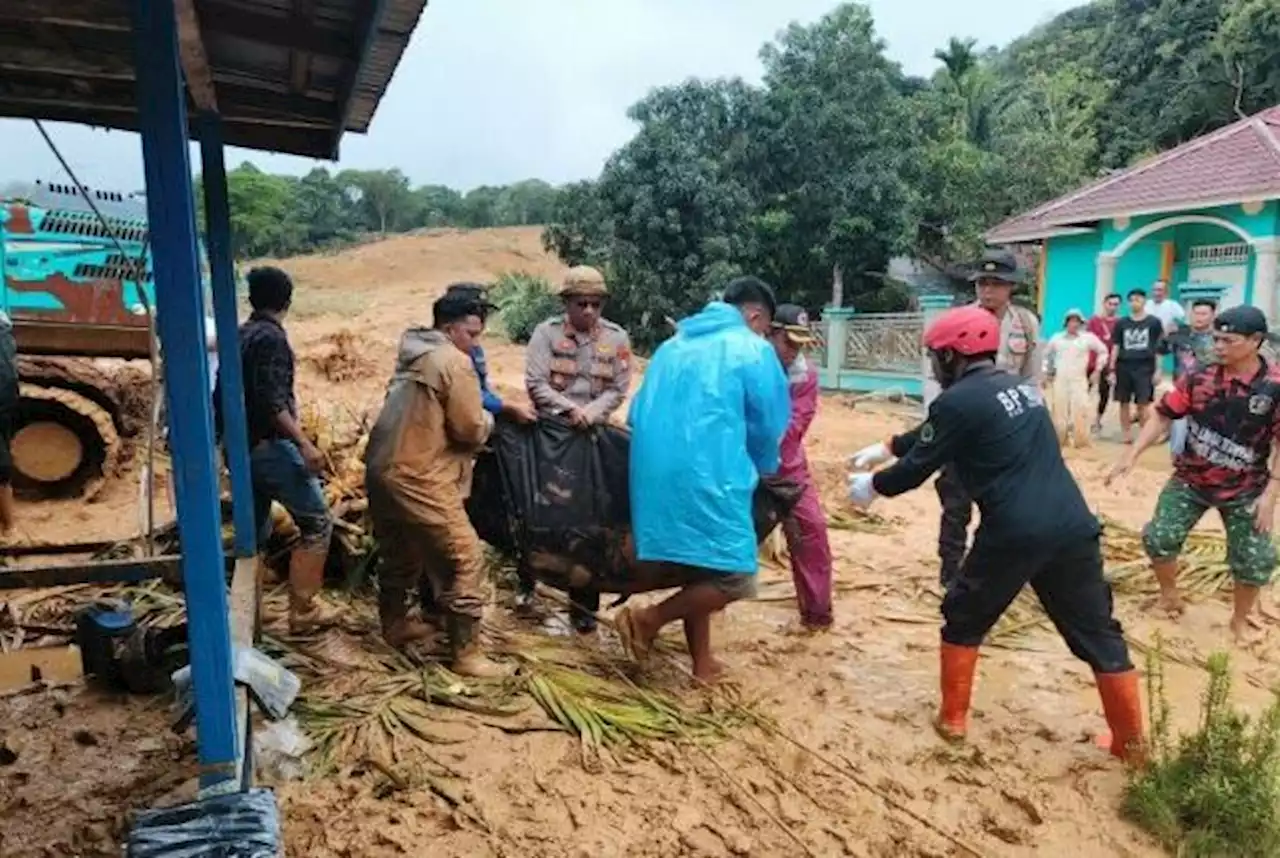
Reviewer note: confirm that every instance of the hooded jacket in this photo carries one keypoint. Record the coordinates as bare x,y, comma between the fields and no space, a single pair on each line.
705,425
419,458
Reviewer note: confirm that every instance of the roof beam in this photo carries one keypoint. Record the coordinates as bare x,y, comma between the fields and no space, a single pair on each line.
195,65
367,28
279,30
84,14
300,61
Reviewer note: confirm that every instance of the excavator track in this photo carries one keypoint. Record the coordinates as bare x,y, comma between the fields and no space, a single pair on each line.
65,442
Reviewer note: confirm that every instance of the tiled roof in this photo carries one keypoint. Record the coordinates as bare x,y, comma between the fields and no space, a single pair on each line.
1238,163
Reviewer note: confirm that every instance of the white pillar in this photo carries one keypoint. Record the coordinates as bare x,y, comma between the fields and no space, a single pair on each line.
1105,279
1266,274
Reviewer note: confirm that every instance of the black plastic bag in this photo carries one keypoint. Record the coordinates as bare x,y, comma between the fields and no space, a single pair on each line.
562,495
236,825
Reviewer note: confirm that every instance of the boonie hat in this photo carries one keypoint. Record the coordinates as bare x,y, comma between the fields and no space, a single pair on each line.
1073,313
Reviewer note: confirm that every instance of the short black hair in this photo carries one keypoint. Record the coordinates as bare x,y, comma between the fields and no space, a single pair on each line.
1205,302
270,289
751,290
477,292
455,307
1142,292
1115,295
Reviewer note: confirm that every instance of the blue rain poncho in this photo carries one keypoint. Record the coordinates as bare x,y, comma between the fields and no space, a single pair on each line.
705,425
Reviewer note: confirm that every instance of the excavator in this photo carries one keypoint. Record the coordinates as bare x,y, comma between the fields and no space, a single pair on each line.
78,288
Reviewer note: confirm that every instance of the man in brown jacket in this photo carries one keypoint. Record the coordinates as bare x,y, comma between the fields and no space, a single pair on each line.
418,473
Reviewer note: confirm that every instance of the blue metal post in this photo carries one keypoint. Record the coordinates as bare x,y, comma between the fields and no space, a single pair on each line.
180,320
235,437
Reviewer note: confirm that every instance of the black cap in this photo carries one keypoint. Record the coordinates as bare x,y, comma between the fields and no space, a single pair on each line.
475,292
997,265
793,319
453,307
1241,319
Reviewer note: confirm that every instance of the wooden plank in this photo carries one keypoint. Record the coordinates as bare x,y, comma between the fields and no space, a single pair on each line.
195,63
51,664
93,572
246,594
97,572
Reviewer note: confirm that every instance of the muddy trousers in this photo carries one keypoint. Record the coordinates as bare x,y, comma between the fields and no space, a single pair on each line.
953,529
810,550
1071,411
446,563
1069,584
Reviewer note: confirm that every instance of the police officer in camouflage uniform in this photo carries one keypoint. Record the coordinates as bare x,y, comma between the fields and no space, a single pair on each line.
995,278
578,368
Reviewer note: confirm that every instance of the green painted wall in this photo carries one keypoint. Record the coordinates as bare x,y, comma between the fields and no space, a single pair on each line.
1071,271
1069,278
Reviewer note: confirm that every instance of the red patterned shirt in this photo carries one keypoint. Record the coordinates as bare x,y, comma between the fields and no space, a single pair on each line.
1231,423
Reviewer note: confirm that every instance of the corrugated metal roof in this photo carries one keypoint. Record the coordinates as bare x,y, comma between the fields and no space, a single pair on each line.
286,75
1238,163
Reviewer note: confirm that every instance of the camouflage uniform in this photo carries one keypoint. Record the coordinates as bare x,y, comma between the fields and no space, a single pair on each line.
567,369
1021,354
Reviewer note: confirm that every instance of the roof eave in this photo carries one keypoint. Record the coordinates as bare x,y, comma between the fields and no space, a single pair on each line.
1053,230
1025,235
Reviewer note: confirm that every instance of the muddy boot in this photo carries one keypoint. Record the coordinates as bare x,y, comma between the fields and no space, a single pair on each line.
397,629
1122,705
958,665
468,658
306,578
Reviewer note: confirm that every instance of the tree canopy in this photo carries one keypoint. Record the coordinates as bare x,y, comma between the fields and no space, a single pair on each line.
838,162
278,215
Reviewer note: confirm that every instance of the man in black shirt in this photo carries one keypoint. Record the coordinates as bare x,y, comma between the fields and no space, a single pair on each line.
1135,350
993,429
283,461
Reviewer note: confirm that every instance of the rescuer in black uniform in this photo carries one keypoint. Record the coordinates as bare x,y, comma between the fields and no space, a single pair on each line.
994,430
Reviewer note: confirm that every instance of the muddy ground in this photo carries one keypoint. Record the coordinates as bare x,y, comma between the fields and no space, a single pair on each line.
858,772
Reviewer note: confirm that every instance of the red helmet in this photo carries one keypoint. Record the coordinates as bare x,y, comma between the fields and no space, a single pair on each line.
965,330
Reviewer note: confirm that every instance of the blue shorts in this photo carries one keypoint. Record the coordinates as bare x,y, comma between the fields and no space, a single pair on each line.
281,475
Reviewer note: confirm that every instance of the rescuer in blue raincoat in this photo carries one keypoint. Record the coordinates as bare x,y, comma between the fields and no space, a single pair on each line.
706,425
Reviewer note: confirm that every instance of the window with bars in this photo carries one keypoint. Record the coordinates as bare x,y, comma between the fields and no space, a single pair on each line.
1219,254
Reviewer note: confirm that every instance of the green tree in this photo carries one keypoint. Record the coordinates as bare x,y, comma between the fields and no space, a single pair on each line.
835,205
382,197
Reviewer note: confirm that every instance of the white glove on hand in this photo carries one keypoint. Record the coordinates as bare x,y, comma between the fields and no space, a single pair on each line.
869,457
861,491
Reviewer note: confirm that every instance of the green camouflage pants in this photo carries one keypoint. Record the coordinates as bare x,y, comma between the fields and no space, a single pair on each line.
1251,555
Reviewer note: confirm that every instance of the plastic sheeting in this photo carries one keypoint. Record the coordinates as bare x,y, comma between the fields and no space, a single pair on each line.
235,825
708,417
558,498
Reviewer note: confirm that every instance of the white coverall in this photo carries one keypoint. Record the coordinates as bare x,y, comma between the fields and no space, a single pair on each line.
1066,362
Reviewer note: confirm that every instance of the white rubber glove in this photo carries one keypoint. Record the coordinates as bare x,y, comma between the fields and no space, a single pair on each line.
869,457
861,491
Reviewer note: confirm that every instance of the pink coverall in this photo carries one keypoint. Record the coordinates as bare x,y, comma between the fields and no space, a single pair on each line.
806,528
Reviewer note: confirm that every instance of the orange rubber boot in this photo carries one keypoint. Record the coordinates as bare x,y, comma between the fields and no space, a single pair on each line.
1122,705
958,663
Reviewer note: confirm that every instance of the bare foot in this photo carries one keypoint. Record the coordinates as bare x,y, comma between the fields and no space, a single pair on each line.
710,673
1266,611
1170,603
1244,632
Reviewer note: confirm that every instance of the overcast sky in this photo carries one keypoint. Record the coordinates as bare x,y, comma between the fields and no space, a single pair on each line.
492,91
